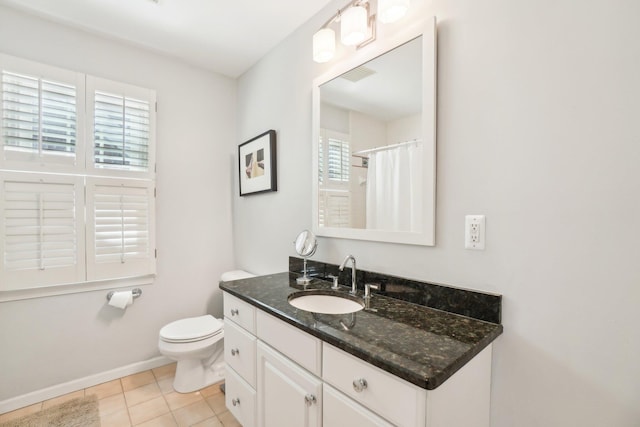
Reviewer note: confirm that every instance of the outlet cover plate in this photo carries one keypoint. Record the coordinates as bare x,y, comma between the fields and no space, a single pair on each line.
474,232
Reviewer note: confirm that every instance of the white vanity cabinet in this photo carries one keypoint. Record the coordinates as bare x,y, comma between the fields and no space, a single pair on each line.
240,357
461,401
297,380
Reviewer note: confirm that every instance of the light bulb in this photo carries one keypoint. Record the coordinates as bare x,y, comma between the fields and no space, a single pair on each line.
392,10
353,25
324,45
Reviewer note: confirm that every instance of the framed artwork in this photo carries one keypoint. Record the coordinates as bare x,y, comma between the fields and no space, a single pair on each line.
257,164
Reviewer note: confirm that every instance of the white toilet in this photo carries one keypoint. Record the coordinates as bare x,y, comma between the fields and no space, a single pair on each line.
196,343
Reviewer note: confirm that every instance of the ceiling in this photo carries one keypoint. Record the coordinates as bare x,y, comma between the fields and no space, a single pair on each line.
389,89
227,37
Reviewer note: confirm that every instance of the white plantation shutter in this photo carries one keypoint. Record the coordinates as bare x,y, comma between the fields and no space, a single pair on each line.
41,116
77,198
334,202
42,227
121,132
322,209
122,128
120,228
338,214
334,209
338,158
335,159
321,167
120,212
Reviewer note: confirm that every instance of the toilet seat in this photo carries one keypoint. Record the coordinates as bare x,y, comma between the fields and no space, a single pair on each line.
191,329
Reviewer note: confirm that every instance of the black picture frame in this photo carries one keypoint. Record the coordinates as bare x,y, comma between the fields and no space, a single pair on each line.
257,164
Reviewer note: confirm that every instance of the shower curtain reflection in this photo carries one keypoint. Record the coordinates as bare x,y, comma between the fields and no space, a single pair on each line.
394,186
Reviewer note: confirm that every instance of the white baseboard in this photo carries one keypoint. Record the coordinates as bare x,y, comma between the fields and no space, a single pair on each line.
79,384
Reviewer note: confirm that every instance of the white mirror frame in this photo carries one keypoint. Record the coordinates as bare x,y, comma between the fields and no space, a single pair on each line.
426,29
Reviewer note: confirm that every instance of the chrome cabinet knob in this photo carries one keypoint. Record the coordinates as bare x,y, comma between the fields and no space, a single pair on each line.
309,399
359,385
235,402
234,311
235,351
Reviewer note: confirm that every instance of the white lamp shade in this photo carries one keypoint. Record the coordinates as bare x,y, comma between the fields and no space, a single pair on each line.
392,10
353,25
324,45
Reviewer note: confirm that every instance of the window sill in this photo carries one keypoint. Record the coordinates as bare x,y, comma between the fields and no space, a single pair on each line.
75,288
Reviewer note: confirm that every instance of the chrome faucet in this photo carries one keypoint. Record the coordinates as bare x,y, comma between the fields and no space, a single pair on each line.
353,272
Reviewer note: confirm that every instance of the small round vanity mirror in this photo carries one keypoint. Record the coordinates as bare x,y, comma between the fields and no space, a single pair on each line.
306,245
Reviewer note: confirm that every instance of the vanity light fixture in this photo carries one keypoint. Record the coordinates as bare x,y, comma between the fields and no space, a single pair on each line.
354,25
324,45
392,10
357,28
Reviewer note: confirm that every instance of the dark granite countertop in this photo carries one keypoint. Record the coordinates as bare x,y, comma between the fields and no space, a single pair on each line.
422,345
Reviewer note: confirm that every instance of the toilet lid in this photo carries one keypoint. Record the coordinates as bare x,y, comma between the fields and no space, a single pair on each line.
191,329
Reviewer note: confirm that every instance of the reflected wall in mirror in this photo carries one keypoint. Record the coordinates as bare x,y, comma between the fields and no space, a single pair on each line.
374,144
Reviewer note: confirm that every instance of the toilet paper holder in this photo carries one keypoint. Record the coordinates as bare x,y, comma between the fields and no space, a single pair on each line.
135,292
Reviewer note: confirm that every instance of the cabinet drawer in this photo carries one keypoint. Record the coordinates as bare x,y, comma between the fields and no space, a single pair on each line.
392,398
339,411
240,351
240,312
240,398
298,346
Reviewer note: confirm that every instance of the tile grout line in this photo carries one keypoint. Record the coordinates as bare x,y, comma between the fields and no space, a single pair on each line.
125,403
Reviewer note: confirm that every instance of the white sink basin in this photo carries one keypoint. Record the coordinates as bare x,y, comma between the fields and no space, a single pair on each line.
324,304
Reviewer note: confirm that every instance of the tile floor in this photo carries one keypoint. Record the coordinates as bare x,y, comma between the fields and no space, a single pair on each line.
148,399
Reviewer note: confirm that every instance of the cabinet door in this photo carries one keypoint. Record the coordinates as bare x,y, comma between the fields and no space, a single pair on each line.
240,398
339,411
288,396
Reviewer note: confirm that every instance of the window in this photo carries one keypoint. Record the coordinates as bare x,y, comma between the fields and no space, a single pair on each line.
333,176
122,123
119,217
334,155
338,160
42,113
43,236
77,178
334,208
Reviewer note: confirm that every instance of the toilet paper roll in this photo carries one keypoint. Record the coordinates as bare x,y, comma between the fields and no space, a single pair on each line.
121,299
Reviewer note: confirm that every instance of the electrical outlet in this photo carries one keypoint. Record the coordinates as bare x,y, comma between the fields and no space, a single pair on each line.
474,232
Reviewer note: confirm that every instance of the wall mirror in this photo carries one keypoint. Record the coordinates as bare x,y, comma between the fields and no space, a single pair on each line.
374,142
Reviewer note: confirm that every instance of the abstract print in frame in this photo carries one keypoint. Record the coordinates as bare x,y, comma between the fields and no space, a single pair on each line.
257,164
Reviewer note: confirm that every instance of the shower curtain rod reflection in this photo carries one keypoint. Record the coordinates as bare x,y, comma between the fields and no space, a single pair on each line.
386,147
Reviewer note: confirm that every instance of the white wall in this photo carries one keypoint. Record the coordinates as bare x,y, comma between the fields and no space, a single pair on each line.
52,340
404,129
538,128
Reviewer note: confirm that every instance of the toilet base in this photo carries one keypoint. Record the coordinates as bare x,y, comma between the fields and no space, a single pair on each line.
200,363
192,375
